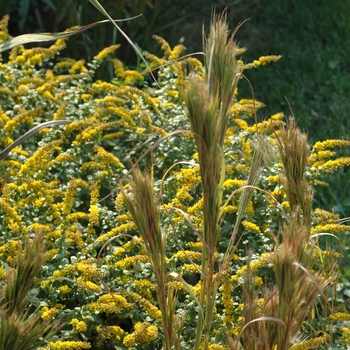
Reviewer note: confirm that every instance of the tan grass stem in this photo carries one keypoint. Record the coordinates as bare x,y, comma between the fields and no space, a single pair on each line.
144,209
208,103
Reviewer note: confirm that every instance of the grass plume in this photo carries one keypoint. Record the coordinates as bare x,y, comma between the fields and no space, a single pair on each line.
208,102
296,287
144,209
21,325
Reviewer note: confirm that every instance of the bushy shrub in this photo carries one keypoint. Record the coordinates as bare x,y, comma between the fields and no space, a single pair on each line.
73,184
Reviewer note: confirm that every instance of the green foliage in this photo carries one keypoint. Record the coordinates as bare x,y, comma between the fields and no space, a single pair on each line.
65,182
31,16
312,74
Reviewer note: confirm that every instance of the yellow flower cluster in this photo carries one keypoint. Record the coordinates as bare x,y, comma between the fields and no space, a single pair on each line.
150,309
184,255
325,216
345,335
312,343
254,265
329,228
9,249
78,67
143,333
195,245
213,347
118,68
3,273
22,117
263,60
42,159
70,269
79,326
250,226
109,332
131,261
73,236
165,47
335,164
110,304
233,183
87,285
340,316
94,217
145,287
106,51
48,314
132,77
117,230
69,345
322,145
227,298
64,289
245,108
88,269
265,127
216,347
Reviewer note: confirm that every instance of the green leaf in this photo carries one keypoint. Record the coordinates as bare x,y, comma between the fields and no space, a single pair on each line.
23,12
30,133
43,37
105,13
50,4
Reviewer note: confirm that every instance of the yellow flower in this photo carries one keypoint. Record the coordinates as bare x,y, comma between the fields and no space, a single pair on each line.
109,332
242,124
321,145
216,347
94,215
329,228
230,209
64,289
78,67
277,116
183,255
129,340
150,309
250,226
340,316
132,76
195,245
36,59
106,51
143,333
233,183
312,343
20,59
118,68
69,345
176,52
48,314
110,304
258,281
334,164
79,326
22,89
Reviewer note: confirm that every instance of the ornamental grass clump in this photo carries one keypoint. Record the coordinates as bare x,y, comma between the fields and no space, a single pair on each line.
208,101
21,325
276,322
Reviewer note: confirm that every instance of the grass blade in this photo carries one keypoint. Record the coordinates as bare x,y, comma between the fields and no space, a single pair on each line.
30,133
105,13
